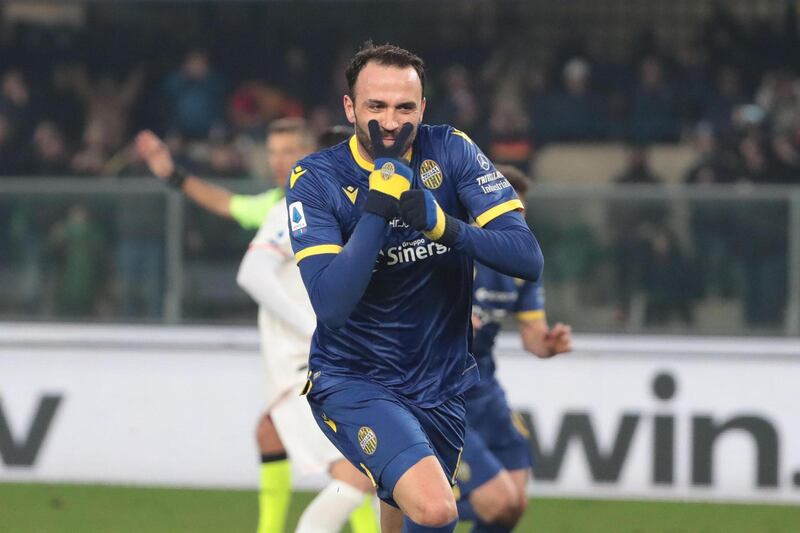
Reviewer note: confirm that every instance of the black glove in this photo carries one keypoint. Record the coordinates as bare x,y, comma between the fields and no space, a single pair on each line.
391,175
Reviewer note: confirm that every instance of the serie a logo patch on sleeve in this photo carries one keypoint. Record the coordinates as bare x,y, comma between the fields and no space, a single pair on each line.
297,218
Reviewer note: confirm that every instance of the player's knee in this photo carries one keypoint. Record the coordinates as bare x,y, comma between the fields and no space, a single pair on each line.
436,512
506,513
267,436
514,510
498,502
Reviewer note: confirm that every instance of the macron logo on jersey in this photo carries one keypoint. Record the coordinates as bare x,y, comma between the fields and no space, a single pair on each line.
297,218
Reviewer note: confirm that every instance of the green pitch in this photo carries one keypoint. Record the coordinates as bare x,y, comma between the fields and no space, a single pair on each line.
26,508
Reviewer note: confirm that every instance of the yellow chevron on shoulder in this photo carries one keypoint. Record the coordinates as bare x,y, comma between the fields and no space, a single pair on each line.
463,135
296,173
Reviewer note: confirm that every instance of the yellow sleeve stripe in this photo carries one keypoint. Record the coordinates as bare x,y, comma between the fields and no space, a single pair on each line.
527,316
438,230
317,250
462,135
491,214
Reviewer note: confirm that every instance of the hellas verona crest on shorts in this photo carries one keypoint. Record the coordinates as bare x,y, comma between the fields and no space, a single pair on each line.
367,440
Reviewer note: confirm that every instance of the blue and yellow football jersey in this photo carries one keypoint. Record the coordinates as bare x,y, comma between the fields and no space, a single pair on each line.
495,297
410,331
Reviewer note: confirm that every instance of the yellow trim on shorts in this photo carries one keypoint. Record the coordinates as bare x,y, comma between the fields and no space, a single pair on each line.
501,209
369,474
458,465
317,250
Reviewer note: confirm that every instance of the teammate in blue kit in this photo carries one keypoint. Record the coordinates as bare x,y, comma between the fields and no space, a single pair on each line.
496,460
378,227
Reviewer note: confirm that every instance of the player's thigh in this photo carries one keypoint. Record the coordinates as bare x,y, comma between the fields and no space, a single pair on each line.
308,448
478,464
520,477
425,494
445,427
344,471
497,500
391,518
502,430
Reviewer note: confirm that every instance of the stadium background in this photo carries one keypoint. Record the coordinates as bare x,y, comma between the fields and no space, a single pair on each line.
664,141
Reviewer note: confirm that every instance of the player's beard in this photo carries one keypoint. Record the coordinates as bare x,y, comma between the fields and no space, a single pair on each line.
363,139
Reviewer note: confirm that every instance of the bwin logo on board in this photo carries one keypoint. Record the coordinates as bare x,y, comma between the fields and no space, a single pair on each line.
705,433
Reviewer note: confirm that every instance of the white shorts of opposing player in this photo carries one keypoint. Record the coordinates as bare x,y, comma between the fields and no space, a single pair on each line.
270,275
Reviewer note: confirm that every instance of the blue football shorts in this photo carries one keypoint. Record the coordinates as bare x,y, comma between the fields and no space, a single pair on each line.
495,439
383,434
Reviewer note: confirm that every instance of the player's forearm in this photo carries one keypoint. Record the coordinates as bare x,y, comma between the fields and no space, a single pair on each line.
209,196
505,244
257,276
336,283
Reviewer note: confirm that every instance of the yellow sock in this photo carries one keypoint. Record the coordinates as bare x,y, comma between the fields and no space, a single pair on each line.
363,519
273,498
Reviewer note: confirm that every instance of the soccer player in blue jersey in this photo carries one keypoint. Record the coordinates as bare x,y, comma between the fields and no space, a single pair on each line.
379,230
496,459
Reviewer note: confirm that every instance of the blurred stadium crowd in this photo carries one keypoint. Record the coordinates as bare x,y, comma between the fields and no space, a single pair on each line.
72,97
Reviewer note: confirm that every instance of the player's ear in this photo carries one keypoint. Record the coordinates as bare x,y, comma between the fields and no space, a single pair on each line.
422,108
349,109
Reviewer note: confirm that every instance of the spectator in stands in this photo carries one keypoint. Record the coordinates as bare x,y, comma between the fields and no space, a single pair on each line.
571,114
77,243
632,226
779,97
92,157
711,164
194,97
710,220
108,104
637,169
724,99
509,138
13,157
786,153
653,116
50,155
761,239
16,104
754,164
459,107
668,279
63,104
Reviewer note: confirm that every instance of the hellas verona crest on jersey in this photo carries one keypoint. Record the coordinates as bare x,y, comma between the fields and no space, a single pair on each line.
431,174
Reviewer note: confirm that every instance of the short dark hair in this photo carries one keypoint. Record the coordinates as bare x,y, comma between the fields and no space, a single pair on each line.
334,135
295,125
518,180
384,54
